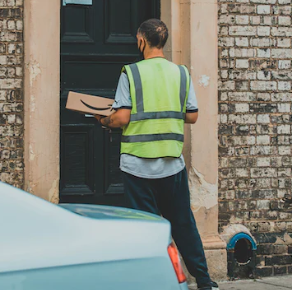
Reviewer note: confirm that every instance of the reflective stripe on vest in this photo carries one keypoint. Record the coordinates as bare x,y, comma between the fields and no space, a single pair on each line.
141,115
152,137
158,115
183,87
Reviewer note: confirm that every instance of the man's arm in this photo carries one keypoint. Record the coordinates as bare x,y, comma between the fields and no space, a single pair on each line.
122,105
191,118
118,119
192,106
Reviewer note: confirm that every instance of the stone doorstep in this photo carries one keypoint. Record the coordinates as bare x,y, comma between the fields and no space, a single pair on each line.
270,283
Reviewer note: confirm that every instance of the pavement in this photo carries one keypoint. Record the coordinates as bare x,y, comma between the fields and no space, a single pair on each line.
271,283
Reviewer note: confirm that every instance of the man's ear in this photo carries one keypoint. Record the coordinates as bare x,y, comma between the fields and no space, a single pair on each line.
141,43
145,43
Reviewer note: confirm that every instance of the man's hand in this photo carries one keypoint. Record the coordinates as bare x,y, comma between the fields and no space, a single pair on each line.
117,120
98,117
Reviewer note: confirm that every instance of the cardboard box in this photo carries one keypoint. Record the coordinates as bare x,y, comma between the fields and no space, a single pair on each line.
88,104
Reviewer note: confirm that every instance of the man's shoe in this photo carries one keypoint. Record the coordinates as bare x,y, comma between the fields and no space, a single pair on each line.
210,286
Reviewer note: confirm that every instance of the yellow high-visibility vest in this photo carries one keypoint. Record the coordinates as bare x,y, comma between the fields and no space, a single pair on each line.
159,90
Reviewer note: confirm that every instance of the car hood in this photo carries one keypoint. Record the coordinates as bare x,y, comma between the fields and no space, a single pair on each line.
110,213
40,234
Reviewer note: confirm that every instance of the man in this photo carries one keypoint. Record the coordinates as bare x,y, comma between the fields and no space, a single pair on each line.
154,99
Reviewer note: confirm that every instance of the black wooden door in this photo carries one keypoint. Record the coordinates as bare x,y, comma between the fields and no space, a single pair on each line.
96,41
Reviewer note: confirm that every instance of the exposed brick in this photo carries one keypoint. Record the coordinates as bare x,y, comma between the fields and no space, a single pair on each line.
263,64
264,193
282,53
282,97
281,260
241,41
265,249
284,20
241,19
267,238
263,1
284,2
263,161
264,271
263,31
263,86
242,31
227,85
281,10
226,42
284,129
284,86
264,204
284,64
242,63
263,9
243,52
263,139
11,92
19,2
255,85
284,42
225,19
280,270
266,53
282,75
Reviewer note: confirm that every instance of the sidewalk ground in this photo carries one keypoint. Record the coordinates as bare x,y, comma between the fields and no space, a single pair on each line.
271,283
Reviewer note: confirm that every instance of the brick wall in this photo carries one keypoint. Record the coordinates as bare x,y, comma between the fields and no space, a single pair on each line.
11,92
255,120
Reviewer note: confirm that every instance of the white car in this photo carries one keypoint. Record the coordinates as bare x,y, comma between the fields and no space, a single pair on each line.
77,247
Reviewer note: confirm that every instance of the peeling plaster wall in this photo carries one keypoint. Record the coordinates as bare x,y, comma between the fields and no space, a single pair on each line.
203,155
197,20
203,194
42,54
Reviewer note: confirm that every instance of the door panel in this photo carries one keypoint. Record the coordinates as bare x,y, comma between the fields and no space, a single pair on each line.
96,42
113,178
77,147
81,30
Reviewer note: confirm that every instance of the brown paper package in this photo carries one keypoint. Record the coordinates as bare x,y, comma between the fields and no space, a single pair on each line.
88,104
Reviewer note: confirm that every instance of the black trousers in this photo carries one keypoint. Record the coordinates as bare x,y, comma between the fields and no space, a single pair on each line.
170,197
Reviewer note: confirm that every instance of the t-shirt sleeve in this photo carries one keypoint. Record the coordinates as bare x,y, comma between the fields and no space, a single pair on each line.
192,103
123,98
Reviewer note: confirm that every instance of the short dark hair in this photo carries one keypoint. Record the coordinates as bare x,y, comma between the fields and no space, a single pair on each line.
155,32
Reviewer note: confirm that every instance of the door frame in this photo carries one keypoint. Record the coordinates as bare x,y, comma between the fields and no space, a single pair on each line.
42,82
193,42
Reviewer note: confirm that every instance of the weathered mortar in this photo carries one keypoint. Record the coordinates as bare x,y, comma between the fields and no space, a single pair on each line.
11,92
255,120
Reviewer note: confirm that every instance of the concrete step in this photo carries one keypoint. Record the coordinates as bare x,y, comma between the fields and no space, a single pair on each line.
271,283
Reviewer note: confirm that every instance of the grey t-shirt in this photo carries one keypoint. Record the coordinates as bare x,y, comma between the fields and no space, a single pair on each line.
144,167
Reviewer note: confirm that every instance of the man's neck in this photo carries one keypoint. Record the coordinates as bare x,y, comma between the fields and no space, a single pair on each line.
152,53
